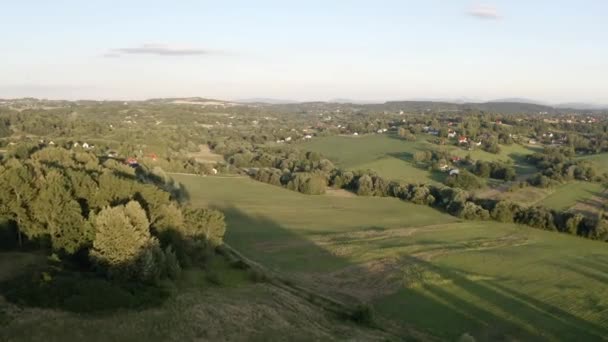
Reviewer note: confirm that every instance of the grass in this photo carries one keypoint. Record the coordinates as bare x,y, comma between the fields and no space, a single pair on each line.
567,195
418,267
231,308
601,160
392,157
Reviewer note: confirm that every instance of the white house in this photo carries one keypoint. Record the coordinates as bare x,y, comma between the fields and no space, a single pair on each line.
85,145
355,133
308,136
288,139
454,172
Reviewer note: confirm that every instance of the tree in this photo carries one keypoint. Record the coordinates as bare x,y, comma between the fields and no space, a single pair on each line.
56,210
313,185
206,224
504,211
16,192
573,224
365,186
122,237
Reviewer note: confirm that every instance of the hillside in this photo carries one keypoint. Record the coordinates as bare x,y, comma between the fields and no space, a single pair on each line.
495,282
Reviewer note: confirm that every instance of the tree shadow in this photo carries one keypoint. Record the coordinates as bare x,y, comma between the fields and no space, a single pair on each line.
68,286
442,302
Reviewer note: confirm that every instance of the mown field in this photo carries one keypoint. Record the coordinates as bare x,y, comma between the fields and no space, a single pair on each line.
420,268
392,157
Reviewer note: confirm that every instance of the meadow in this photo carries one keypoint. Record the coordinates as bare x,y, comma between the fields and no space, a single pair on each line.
392,157
568,195
493,281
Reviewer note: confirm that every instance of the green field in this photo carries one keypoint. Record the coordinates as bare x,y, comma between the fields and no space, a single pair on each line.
391,157
567,195
420,268
601,160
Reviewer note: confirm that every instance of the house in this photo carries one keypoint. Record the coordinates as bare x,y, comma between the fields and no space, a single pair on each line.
451,134
112,154
52,143
444,167
288,139
384,130
455,159
454,172
214,171
85,145
462,140
75,145
499,122
355,133
308,136
153,156
532,141
478,143
379,131
132,162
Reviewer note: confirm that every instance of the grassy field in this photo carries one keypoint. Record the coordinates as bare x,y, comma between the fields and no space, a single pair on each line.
601,160
392,157
568,195
420,268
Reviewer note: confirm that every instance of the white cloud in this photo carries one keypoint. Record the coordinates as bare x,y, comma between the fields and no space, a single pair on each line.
484,12
158,50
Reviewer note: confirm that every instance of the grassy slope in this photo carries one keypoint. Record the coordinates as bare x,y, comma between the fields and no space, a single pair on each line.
567,195
236,310
419,266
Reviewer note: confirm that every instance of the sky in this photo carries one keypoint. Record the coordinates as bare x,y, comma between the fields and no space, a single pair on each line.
553,51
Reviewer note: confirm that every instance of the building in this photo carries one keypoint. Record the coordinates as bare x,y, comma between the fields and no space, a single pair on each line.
462,140
454,172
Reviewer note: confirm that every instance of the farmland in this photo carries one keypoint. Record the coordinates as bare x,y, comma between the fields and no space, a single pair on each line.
411,262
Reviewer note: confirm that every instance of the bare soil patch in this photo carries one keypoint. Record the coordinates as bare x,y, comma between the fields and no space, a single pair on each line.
206,156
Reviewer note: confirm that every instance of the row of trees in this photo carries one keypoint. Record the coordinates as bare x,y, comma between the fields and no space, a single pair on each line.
452,199
496,170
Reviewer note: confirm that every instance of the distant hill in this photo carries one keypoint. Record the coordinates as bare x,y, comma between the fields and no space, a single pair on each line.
581,105
266,100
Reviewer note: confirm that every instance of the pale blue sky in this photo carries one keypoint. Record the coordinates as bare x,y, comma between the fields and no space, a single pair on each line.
556,51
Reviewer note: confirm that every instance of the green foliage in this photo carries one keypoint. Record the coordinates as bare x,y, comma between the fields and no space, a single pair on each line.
123,246
205,224
464,180
80,292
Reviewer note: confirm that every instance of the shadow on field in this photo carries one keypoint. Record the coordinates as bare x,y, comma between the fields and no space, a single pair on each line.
410,292
506,314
